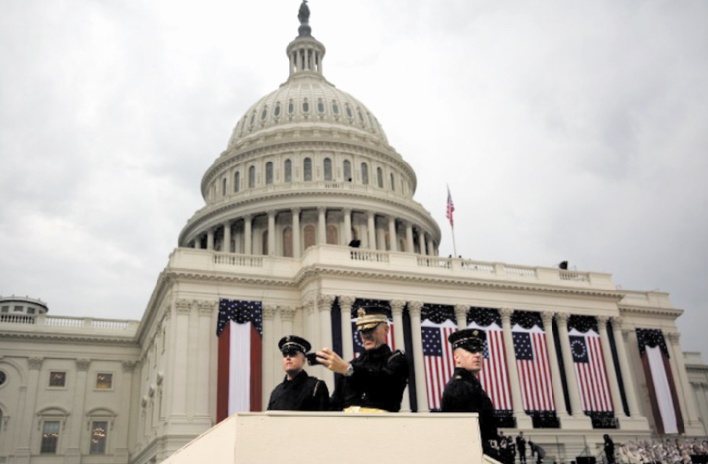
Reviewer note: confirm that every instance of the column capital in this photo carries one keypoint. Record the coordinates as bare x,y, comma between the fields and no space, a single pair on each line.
674,337
227,223
82,364
287,313
602,322
324,302
309,308
414,307
271,212
205,307
247,217
616,322
547,317
183,305
321,209
35,363
346,210
461,312
397,306
128,366
346,302
269,312
562,319
505,314
295,210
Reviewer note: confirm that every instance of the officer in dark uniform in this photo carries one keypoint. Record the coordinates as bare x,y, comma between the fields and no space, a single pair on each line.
464,392
299,391
373,382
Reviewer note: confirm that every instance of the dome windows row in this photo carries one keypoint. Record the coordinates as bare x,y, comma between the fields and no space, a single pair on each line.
249,179
258,118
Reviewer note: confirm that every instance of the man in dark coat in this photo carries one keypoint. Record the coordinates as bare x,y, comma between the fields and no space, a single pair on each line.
521,447
373,382
299,391
464,392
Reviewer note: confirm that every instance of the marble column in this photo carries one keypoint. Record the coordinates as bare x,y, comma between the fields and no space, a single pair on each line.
271,233
681,380
27,408
324,307
421,241
431,247
399,342
287,313
558,398
345,307
120,435
414,307
321,225
73,444
347,225
627,377
210,239
247,234
523,420
226,246
393,246
610,367
461,316
573,391
371,229
270,368
197,242
410,247
296,233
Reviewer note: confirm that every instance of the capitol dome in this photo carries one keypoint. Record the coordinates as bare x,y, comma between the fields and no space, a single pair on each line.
309,164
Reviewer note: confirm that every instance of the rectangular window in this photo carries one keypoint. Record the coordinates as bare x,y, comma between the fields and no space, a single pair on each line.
6,309
57,379
50,437
30,310
18,309
104,381
99,434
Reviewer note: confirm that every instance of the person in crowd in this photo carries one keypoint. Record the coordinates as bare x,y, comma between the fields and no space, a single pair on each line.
373,382
298,391
521,447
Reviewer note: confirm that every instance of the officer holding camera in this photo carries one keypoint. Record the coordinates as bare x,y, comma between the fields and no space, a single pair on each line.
373,382
299,391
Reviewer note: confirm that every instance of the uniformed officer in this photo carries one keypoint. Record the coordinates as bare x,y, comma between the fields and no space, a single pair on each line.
299,391
464,392
373,382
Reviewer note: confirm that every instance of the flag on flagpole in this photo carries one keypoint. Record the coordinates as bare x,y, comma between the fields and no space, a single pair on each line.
239,367
450,208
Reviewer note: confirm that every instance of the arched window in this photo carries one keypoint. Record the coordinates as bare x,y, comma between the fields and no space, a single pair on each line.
276,110
237,181
364,174
307,169
393,183
332,235
264,242
269,172
288,242
335,107
223,187
252,177
379,177
347,168
288,170
320,106
309,233
328,169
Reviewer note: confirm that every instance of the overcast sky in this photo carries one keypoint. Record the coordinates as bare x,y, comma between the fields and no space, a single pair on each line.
566,131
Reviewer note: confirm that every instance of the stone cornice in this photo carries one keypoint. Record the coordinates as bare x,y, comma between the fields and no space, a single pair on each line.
672,312
72,338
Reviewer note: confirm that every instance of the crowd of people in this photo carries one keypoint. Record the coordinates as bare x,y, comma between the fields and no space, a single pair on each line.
672,451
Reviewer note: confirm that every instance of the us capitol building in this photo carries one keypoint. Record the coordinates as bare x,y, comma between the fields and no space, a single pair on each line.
309,212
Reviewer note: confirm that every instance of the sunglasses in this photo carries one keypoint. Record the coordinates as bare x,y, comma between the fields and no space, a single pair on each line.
290,353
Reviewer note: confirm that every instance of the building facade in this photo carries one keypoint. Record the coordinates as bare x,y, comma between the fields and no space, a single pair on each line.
309,212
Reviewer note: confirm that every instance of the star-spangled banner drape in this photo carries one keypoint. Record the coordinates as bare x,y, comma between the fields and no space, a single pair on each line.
534,369
437,358
660,382
239,367
494,375
590,371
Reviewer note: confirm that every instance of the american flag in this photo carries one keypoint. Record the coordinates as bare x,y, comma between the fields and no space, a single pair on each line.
438,359
534,370
494,375
450,208
590,371
239,367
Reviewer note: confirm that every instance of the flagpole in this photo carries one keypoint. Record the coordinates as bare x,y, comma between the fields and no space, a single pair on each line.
454,247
